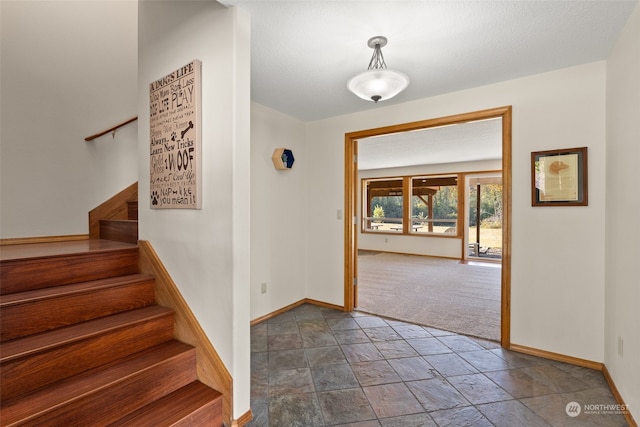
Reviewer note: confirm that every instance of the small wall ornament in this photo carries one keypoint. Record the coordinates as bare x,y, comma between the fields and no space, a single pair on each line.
282,158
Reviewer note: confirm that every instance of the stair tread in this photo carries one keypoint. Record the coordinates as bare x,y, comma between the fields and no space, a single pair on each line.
33,344
42,265
93,381
65,290
72,356
55,249
172,408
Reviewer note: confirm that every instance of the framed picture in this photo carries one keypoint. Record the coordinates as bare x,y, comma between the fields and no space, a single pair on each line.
559,177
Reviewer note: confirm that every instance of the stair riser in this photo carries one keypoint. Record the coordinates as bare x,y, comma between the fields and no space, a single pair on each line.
83,343
104,406
119,230
27,318
132,210
26,275
206,416
209,415
49,366
193,405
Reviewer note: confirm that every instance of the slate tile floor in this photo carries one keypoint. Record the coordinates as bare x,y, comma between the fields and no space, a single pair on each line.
313,366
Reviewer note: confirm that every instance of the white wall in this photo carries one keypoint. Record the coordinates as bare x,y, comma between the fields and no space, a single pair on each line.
205,251
622,292
50,177
557,285
278,212
448,247
68,71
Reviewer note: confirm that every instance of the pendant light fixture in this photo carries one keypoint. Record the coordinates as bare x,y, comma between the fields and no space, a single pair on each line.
378,83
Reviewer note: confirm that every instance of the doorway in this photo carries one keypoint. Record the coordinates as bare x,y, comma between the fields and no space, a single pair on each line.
351,202
484,217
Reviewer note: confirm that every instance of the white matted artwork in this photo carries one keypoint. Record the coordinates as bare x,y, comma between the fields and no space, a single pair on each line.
559,177
175,139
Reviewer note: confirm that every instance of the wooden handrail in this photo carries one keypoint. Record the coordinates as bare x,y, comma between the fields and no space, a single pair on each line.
112,129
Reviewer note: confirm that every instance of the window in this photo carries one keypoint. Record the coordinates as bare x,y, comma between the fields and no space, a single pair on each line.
434,207
384,205
431,209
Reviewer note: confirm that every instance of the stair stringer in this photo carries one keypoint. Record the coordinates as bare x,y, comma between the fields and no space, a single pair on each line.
210,367
114,208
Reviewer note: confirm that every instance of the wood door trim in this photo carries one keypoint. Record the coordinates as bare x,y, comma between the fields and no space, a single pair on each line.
350,202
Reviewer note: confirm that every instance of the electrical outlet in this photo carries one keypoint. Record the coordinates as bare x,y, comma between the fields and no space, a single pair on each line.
620,346
263,288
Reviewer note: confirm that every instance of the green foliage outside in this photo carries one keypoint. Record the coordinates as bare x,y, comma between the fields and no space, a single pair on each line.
378,213
490,206
390,207
445,206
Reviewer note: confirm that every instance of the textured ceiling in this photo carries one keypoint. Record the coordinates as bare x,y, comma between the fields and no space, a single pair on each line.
304,51
464,142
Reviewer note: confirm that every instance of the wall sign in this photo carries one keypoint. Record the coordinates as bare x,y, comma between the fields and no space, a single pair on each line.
175,145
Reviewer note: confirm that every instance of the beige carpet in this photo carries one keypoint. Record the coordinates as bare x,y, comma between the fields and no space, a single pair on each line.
436,292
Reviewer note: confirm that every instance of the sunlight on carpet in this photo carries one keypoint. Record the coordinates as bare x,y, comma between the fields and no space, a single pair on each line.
436,292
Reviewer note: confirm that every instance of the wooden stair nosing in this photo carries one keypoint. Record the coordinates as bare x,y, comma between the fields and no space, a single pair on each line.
193,405
22,347
30,312
36,295
42,359
116,378
32,251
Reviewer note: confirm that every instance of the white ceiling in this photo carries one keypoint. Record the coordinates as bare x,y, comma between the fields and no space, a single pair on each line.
464,142
304,51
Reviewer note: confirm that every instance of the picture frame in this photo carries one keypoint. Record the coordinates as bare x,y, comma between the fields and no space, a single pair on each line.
559,177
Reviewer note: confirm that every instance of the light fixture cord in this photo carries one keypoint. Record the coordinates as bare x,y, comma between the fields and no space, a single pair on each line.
377,60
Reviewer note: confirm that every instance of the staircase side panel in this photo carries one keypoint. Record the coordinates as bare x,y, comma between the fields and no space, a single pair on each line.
114,208
211,369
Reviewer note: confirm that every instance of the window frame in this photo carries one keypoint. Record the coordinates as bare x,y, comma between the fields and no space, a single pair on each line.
368,221
407,205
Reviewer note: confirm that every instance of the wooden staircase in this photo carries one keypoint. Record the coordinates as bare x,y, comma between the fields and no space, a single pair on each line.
117,218
83,342
122,230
